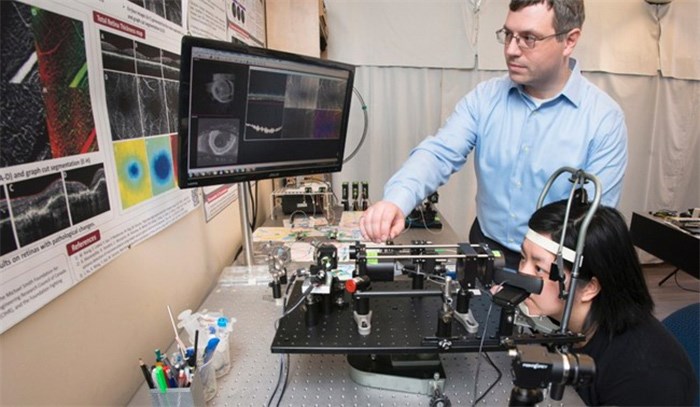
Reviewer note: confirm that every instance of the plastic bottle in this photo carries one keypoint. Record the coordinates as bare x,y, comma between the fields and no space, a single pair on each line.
223,365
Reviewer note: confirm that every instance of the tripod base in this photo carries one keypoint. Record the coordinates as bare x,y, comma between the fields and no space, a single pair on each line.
420,373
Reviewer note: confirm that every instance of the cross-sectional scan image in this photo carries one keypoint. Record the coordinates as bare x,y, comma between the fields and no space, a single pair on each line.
171,65
148,60
160,161
331,94
87,192
46,113
7,235
152,104
133,172
117,53
122,105
217,141
302,92
218,95
171,10
327,124
39,207
265,113
266,84
298,124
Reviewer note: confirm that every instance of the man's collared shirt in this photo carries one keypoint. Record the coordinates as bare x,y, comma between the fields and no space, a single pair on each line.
518,144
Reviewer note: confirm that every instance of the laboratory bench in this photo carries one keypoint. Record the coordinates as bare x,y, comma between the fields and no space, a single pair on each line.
323,376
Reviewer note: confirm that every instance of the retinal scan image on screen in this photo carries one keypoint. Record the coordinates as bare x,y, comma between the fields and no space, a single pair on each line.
252,113
217,141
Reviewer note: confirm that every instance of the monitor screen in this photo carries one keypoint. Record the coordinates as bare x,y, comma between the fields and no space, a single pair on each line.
250,113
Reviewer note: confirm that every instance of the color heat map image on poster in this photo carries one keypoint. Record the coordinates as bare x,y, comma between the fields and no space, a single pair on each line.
133,173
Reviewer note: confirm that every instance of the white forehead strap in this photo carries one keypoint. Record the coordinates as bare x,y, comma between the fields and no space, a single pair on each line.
550,245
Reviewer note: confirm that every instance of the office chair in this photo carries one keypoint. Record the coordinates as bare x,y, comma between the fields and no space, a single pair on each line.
684,324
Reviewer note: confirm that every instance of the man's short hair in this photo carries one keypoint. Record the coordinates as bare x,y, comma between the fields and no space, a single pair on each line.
568,14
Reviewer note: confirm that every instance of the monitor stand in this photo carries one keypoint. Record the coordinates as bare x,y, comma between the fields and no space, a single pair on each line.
245,270
420,373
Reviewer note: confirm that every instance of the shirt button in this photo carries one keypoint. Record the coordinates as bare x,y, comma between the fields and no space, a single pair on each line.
526,149
512,215
510,240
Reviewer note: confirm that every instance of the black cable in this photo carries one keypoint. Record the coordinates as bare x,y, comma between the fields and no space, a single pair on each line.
282,364
293,215
254,205
675,278
238,253
284,384
481,346
279,380
256,202
498,379
286,292
295,306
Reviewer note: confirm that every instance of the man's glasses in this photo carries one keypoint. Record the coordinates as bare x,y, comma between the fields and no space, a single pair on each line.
525,42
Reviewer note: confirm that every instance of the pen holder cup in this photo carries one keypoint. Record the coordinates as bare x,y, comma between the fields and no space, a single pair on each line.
206,373
193,396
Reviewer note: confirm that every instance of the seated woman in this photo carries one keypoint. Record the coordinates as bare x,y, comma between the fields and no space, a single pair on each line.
638,362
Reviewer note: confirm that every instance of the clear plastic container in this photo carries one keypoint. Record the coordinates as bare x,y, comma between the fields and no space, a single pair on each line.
207,376
223,353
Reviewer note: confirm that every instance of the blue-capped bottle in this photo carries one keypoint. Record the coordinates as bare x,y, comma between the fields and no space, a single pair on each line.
223,355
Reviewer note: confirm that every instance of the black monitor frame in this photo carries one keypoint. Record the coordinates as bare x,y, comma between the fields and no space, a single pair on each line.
227,135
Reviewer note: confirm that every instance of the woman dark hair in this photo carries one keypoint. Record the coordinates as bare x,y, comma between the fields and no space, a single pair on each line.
637,361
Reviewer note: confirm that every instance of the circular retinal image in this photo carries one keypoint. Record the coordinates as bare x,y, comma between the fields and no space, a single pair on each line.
221,87
221,142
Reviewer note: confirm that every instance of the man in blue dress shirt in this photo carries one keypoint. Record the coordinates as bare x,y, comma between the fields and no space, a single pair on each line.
522,127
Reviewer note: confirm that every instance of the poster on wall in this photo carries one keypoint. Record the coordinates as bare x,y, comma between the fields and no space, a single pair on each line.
246,21
228,20
87,135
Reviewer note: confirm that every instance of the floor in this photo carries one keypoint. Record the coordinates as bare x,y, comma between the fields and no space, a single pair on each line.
676,292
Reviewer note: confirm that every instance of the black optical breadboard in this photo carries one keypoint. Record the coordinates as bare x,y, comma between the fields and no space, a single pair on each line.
399,325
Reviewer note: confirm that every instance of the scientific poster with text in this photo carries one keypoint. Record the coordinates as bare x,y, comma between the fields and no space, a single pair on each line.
87,140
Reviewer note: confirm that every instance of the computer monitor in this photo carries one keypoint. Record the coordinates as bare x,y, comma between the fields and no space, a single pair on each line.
249,113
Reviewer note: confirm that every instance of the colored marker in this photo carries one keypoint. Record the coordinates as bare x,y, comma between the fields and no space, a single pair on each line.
162,381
